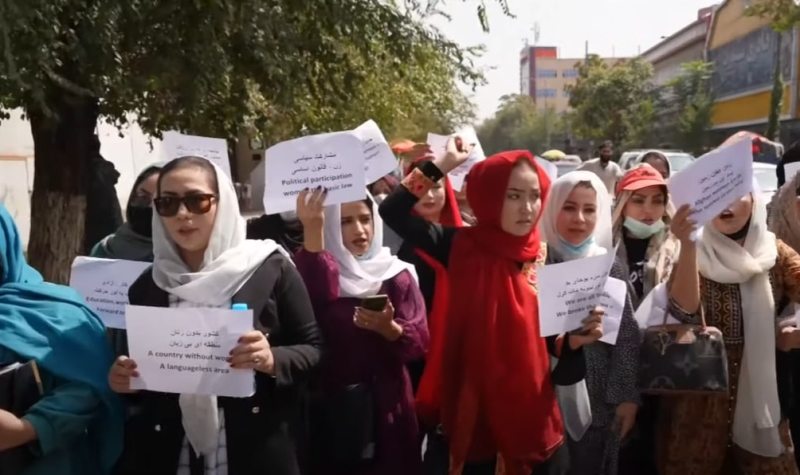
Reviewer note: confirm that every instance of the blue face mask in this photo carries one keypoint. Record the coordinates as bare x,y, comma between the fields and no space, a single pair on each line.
574,251
641,230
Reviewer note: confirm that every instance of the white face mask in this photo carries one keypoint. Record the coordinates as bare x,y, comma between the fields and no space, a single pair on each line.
289,216
641,230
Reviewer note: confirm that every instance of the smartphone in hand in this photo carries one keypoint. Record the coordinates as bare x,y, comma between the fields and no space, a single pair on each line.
376,303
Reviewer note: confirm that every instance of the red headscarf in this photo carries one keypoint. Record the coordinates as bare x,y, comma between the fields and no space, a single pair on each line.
496,393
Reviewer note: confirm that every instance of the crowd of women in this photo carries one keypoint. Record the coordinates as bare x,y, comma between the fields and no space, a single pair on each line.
399,334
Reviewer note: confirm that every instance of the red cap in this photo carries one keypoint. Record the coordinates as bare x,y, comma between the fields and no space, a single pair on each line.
640,177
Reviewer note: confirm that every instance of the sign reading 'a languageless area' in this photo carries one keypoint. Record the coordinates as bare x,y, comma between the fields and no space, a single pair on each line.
185,350
104,284
570,290
714,181
333,161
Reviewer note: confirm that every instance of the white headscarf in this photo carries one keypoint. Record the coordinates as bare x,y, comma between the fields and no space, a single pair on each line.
229,262
559,192
363,276
757,414
574,399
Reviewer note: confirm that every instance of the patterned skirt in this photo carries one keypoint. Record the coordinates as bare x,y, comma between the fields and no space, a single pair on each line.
694,436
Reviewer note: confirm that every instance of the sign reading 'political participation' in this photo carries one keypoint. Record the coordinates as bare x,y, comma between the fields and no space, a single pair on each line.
333,161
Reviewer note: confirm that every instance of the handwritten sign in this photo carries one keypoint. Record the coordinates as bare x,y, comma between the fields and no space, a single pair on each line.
176,145
334,161
104,284
613,300
714,181
184,350
379,160
569,291
438,144
790,170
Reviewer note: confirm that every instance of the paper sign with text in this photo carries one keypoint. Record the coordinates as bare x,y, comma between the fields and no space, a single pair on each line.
176,145
379,160
714,181
334,161
438,144
104,284
184,350
790,170
613,300
568,291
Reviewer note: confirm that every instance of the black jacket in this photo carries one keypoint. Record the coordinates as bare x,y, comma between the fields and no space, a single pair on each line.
266,432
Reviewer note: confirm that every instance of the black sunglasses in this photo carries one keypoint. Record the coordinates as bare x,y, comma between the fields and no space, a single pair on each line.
168,206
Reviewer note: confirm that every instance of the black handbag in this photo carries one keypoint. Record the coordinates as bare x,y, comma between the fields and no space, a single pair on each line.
346,430
683,359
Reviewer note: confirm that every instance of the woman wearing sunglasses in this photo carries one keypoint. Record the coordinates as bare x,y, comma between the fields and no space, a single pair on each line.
202,259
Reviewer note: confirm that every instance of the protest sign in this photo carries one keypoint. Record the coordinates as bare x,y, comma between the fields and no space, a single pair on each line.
568,291
790,170
438,145
613,299
334,161
185,350
379,160
176,145
714,181
104,284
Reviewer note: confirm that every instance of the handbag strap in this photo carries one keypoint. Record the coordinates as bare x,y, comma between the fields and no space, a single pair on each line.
700,312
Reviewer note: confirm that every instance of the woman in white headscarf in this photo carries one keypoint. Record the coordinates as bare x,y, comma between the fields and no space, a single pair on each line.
600,411
373,318
202,259
744,271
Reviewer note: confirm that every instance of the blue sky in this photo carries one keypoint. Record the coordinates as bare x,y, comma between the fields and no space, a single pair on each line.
621,27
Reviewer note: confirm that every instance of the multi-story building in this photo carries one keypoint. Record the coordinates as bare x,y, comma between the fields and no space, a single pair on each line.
668,58
743,50
544,76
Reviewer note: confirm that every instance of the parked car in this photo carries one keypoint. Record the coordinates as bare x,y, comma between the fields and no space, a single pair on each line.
566,166
677,160
767,179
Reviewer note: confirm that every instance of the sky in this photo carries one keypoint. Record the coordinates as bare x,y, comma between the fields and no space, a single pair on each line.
612,27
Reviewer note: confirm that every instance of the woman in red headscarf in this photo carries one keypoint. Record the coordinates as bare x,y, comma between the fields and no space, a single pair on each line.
487,378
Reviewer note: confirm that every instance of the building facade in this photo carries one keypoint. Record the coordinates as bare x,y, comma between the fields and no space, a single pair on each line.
545,77
684,46
743,51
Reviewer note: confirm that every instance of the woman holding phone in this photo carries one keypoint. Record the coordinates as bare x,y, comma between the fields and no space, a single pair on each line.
372,316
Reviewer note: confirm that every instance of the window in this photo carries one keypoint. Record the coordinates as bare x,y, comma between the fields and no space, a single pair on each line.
569,73
546,73
546,93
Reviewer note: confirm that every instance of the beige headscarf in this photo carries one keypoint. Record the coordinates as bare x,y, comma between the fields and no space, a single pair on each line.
784,219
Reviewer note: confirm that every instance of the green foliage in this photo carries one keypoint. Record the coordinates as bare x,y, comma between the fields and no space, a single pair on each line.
613,102
214,66
692,98
782,14
517,124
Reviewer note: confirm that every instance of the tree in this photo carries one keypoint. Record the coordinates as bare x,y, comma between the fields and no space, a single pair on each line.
693,101
613,101
783,15
208,67
518,124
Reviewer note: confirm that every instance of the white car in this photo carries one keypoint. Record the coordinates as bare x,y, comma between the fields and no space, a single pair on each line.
767,179
677,160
